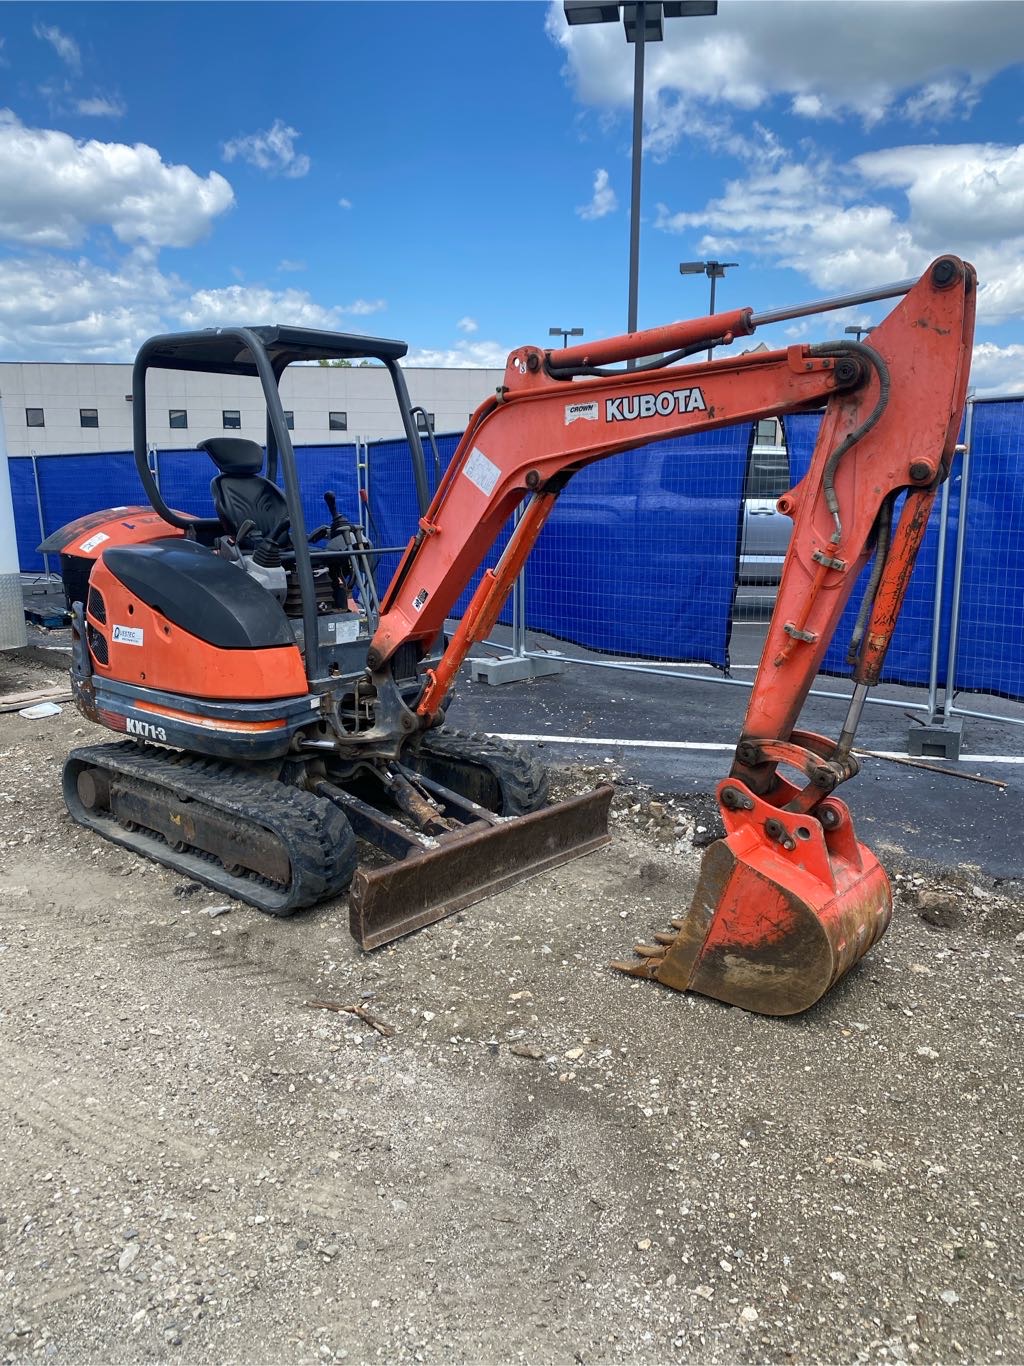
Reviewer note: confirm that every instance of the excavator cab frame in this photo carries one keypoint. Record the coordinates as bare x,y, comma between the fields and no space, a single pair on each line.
265,354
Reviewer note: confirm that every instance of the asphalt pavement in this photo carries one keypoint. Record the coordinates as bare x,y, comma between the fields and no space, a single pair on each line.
932,817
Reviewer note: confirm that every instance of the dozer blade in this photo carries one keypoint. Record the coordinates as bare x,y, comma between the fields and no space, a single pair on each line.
772,927
386,903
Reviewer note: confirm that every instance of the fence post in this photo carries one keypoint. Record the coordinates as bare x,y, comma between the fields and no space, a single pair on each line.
958,575
518,665
12,604
39,512
942,736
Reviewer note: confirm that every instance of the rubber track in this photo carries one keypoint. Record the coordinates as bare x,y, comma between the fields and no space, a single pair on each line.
318,838
522,780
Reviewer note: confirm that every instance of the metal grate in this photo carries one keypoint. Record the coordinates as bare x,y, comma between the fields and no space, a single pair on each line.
97,607
98,645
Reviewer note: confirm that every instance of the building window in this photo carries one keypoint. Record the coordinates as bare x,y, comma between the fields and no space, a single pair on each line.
424,423
289,419
338,422
232,419
34,417
177,417
767,432
89,417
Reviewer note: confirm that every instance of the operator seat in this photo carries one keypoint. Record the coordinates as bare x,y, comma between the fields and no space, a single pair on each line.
240,492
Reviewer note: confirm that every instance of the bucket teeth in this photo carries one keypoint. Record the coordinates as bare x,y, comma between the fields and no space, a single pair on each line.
648,950
666,936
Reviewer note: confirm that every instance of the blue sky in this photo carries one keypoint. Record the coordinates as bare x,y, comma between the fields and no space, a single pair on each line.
458,174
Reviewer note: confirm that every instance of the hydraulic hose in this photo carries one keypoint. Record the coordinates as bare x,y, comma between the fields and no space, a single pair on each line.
880,368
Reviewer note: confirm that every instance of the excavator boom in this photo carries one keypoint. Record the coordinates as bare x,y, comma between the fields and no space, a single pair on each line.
790,899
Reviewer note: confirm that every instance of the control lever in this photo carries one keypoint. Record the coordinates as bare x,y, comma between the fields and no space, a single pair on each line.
338,521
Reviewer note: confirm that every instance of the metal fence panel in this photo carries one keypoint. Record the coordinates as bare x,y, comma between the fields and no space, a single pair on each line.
26,514
909,658
990,643
394,514
639,555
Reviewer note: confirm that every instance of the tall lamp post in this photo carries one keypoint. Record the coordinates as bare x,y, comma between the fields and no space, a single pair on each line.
714,270
644,23
565,333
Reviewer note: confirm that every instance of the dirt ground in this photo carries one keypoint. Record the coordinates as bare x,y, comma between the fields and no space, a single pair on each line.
547,1162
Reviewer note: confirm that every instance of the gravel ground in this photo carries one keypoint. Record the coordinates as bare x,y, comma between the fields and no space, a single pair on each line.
546,1162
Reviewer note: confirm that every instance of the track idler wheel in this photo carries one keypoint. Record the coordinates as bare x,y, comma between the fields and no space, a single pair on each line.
784,906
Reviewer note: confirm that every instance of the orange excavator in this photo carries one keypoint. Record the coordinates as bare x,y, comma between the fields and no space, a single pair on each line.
277,709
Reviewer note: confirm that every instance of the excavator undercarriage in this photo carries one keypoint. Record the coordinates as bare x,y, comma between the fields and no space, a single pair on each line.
279,711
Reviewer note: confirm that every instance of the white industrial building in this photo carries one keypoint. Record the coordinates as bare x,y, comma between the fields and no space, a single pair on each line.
72,408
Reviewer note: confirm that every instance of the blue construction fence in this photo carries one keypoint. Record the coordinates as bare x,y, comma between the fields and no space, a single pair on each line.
990,639
639,557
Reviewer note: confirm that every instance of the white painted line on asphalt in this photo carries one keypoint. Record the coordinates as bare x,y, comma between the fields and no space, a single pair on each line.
717,746
617,744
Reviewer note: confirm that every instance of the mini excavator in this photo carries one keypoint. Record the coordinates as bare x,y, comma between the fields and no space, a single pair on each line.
276,709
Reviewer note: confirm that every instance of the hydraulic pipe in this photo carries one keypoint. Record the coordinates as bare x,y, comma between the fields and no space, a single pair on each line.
673,337
864,296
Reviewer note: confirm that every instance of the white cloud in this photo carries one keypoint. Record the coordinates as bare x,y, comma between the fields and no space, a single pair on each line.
362,308
100,107
288,265
53,308
841,227
467,355
59,308
997,369
258,304
54,189
468,325
914,60
62,43
344,203
964,188
272,150
603,201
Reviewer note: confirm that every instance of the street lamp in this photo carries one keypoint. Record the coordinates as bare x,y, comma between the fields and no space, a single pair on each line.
714,270
565,333
858,332
644,23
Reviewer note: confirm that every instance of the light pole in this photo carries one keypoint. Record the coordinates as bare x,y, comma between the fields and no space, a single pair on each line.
714,270
644,23
858,332
565,333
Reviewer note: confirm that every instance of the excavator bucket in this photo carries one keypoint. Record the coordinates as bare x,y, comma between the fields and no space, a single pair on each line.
775,921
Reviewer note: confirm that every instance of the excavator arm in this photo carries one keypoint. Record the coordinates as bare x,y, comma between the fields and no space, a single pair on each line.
790,899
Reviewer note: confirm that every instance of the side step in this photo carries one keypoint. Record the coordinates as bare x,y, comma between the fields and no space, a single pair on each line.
386,903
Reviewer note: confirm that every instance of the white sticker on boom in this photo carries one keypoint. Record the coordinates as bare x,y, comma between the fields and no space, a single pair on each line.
574,411
93,542
481,471
128,635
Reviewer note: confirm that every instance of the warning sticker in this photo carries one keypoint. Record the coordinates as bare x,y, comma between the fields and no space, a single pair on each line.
93,542
420,599
575,411
481,471
128,635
